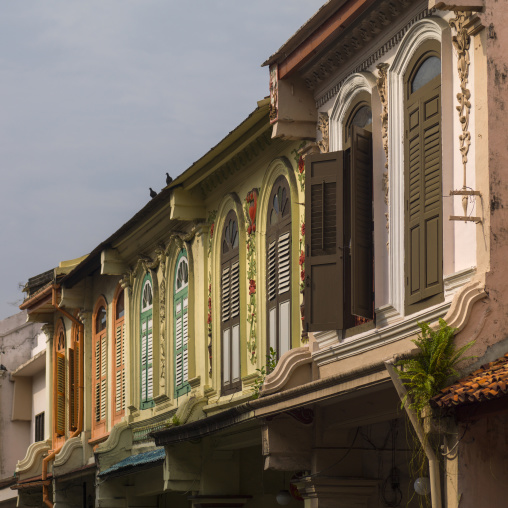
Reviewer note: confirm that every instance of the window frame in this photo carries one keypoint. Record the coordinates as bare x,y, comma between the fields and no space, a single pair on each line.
119,324
273,234
146,315
100,346
180,296
230,260
435,295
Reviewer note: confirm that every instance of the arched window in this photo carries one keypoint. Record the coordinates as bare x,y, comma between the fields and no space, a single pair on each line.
146,342
278,268
74,377
181,324
59,380
119,356
423,178
230,305
100,368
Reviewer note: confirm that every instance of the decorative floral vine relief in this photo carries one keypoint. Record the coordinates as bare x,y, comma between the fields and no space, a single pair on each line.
324,127
382,88
211,225
250,208
209,322
300,164
301,261
461,42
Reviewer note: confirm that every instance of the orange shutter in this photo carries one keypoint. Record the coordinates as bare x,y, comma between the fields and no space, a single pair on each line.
60,394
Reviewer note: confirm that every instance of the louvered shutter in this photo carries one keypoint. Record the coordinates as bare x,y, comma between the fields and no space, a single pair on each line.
77,401
324,300
423,187
119,368
181,340
60,394
362,252
98,380
72,388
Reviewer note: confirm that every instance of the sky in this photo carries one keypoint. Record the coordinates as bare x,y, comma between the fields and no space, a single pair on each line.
99,98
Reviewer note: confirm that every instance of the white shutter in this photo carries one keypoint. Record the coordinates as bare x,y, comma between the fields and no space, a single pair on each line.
235,353
119,391
284,262
284,327
225,294
235,289
272,272
226,355
185,331
179,332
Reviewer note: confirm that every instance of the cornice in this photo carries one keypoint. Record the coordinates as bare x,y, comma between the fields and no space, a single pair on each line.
314,77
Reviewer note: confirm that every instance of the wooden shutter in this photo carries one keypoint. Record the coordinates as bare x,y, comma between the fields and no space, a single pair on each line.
423,191
119,368
324,249
60,393
72,388
77,401
362,251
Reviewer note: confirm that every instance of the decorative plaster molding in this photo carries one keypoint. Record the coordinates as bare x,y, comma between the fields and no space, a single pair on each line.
323,127
390,43
67,450
186,412
114,438
48,330
287,364
351,87
382,88
455,312
460,310
34,455
274,98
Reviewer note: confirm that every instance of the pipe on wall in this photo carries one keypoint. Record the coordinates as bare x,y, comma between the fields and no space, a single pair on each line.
435,480
45,462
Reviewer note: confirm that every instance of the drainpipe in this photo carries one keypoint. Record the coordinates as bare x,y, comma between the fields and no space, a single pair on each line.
435,481
77,432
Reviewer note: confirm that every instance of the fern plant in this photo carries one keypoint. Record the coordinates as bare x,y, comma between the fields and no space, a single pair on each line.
271,363
425,374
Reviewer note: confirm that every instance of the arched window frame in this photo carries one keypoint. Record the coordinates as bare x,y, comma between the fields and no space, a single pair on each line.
426,30
74,366
146,356
230,306
59,382
118,354
100,369
423,261
181,324
278,261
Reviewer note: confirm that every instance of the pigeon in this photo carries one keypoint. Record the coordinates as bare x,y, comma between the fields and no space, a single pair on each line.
152,193
168,179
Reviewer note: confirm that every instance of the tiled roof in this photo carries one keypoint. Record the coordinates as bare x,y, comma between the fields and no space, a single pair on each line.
142,459
489,382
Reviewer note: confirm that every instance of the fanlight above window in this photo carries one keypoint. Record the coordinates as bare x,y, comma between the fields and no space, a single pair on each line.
100,322
230,236
182,274
428,70
280,205
147,296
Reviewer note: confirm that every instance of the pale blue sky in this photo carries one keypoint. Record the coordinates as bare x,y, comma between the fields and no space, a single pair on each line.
99,98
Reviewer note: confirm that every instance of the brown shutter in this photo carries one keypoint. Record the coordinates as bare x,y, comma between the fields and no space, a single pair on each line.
76,385
72,382
60,394
324,242
362,257
423,187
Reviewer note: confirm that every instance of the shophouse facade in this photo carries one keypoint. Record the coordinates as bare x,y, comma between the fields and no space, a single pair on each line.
364,196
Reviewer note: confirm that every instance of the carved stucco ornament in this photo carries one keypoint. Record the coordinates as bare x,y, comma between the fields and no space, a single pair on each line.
461,42
324,127
382,87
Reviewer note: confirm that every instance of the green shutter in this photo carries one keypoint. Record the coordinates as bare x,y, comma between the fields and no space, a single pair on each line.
423,190
181,326
362,252
324,299
146,341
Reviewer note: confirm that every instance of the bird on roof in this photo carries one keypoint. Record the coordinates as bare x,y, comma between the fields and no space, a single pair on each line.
152,193
169,179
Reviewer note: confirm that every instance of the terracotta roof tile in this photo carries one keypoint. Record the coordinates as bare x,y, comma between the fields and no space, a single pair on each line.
489,382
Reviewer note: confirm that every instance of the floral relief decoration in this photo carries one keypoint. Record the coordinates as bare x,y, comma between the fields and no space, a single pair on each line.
250,209
300,164
211,228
